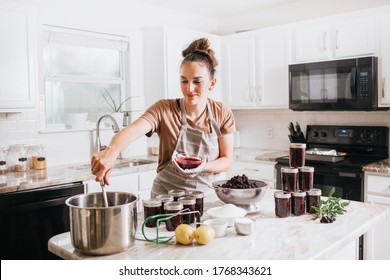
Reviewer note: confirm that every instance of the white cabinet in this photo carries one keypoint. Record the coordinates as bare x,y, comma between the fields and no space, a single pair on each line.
122,183
145,183
254,170
384,61
256,69
18,51
163,48
333,38
377,245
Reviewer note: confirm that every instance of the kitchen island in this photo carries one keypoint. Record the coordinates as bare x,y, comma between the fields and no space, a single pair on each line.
275,238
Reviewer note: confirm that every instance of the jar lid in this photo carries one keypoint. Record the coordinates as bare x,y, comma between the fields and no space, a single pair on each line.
177,193
314,192
306,169
187,200
174,205
151,202
297,145
165,198
196,194
289,170
299,194
282,194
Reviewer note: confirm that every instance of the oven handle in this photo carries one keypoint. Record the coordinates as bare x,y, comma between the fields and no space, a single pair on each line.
356,175
35,205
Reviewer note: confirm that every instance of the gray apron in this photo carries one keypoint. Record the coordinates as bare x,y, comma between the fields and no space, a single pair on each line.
191,142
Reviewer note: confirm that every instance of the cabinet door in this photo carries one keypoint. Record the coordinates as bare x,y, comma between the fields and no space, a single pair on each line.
17,58
239,59
354,37
384,62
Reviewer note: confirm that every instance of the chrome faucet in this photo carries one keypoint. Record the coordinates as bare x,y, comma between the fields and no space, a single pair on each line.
115,126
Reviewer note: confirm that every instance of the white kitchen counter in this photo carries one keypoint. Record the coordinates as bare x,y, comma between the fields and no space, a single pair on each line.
274,239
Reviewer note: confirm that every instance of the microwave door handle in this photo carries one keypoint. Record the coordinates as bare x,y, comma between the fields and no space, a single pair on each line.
383,87
353,82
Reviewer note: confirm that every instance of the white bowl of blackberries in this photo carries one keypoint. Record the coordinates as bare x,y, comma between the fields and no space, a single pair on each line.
241,191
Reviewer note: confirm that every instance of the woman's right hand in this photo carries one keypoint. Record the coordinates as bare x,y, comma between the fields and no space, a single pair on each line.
102,164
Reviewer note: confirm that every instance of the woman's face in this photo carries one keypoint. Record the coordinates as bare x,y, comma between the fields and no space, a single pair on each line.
195,81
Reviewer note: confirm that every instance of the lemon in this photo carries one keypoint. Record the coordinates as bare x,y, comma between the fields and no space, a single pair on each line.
204,234
184,234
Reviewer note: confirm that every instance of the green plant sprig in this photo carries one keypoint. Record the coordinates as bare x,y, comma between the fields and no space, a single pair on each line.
111,101
331,207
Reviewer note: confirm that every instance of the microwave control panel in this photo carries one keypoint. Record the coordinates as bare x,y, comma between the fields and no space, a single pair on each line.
363,84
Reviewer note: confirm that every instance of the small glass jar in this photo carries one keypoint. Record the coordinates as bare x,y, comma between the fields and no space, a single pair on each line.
164,198
282,204
3,160
289,179
173,208
297,155
199,197
298,203
38,157
306,178
189,203
17,158
151,207
313,200
177,194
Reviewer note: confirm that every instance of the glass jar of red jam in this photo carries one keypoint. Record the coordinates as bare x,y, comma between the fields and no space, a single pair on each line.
151,207
164,198
282,204
173,208
177,194
297,155
199,204
189,203
289,179
306,178
298,203
313,200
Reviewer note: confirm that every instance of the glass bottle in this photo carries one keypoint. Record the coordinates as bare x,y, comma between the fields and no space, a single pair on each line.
190,204
3,160
38,157
199,197
282,204
151,207
297,155
164,198
306,178
177,194
173,208
313,200
298,205
289,179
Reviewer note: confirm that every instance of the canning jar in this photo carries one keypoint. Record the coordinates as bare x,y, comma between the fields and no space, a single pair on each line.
164,198
17,158
298,203
173,208
282,204
306,178
297,155
199,204
151,207
189,203
3,160
289,179
38,157
177,194
313,200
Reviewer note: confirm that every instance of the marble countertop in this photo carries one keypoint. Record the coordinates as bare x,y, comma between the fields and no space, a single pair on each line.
380,167
251,154
274,238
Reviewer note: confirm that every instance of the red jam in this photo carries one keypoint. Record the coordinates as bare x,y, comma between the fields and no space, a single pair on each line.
289,179
282,204
151,207
313,200
199,204
297,155
164,198
173,208
188,162
298,205
306,178
188,203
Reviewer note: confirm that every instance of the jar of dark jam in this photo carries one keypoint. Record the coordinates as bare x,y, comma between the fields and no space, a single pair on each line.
173,208
313,199
164,198
151,207
298,203
297,155
306,178
177,194
289,179
199,197
282,204
189,203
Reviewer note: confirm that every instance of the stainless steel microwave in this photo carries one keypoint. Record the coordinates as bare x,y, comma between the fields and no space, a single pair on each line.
338,85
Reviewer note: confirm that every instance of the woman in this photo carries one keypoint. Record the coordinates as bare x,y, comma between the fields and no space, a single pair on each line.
194,124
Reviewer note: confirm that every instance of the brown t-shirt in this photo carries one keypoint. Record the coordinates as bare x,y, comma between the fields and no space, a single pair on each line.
165,119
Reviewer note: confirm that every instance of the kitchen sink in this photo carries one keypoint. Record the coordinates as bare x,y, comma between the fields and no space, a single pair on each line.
119,165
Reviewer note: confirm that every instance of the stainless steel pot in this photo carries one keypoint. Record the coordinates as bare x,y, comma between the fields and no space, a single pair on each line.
99,230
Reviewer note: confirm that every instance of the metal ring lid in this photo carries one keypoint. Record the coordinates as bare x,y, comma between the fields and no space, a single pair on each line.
177,193
151,202
316,192
174,205
297,145
282,194
299,194
289,170
187,200
165,198
306,169
196,194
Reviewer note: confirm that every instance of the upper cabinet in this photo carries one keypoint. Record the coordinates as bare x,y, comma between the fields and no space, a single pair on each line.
163,48
255,69
18,52
321,40
384,54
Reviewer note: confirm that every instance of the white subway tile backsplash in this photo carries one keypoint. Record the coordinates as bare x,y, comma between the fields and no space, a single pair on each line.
8,125
27,125
17,116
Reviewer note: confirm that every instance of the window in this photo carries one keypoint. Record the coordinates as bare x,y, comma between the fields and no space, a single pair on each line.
80,69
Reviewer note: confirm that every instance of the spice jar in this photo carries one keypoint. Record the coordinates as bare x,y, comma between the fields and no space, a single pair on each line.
306,178
298,204
282,204
3,160
173,208
38,157
151,207
164,198
17,158
289,179
297,155
313,200
199,204
177,194
188,203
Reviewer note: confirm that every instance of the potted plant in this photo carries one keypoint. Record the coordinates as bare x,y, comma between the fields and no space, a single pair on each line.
117,114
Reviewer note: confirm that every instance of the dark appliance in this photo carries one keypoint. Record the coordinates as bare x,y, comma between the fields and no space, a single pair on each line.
359,145
30,218
349,84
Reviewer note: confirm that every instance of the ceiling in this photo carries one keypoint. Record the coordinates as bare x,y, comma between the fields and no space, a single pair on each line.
218,9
